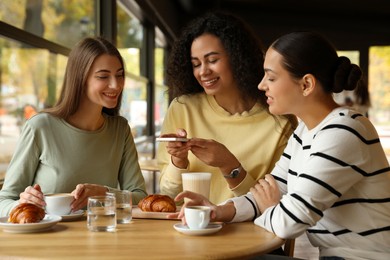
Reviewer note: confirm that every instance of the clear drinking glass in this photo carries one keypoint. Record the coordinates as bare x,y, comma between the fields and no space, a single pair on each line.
123,205
101,213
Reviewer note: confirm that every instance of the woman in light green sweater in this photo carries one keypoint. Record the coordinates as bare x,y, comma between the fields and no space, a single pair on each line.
81,145
213,73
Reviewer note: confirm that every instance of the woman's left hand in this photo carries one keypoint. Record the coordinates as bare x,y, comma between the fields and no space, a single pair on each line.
83,191
212,153
266,193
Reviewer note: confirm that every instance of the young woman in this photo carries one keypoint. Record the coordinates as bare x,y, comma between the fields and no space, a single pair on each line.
81,145
333,178
213,73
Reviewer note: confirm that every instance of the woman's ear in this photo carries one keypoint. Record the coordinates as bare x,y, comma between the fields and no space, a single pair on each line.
308,84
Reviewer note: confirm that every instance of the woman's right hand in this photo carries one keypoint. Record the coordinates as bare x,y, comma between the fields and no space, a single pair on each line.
222,213
33,195
83,191
178,150
193,199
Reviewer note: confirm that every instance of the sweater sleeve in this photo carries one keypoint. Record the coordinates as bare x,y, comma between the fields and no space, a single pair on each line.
21,170
246,208
278,154
170,178
130,175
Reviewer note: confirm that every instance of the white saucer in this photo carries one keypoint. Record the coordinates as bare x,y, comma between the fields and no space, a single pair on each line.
210,229
46,223
73,216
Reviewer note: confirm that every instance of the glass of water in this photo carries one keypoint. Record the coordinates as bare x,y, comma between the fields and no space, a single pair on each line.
101,213
123,205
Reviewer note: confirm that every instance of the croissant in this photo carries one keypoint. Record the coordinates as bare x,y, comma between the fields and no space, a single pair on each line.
26,213
157,203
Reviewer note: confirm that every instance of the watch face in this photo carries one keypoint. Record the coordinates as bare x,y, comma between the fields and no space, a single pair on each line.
234,173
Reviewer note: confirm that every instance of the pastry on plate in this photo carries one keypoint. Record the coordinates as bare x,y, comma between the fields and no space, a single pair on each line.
157,203
26,213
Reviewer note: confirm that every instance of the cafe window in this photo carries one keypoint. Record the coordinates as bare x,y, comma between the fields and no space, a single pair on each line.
31,75
379,84
161,95
62,22
129,42
26,86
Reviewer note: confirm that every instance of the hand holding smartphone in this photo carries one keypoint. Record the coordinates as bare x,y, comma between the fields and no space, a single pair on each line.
172,139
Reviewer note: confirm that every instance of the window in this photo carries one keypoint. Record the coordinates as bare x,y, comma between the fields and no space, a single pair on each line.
31,75
26,86
161,95
62,22
379,82
129,43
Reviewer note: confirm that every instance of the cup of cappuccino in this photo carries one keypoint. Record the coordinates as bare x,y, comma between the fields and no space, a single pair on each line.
58,203
197,217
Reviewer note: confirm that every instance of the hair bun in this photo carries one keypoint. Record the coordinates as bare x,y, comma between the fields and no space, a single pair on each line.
347,75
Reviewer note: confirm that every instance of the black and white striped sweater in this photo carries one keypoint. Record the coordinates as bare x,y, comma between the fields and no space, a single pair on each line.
335,181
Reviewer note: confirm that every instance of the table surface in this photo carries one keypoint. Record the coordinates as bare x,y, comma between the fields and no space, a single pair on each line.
140,239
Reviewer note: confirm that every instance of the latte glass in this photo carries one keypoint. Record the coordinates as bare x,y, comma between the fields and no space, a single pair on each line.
198,182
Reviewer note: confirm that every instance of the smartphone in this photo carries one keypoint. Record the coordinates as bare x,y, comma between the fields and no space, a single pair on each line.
172,139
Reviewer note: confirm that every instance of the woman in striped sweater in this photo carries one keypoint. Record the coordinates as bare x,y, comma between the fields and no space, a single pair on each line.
333,179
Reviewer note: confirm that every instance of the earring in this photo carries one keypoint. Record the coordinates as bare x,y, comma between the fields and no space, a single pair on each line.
304,94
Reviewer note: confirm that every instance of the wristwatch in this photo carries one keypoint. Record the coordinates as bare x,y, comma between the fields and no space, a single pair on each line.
234,173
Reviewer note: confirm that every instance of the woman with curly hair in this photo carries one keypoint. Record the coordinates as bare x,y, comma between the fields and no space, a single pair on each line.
213,72
333,179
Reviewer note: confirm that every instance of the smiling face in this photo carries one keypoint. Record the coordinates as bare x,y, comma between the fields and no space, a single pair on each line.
105,82
284,93
211,65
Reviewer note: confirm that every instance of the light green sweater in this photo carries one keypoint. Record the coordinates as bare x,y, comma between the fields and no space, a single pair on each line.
255,137
58,156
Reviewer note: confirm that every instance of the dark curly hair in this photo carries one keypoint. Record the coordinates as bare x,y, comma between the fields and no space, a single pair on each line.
309,52
245,51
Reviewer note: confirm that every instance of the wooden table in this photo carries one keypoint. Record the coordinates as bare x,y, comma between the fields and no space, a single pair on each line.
140,239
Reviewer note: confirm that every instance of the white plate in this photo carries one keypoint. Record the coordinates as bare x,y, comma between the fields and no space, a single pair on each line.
210,229
46,223
73,216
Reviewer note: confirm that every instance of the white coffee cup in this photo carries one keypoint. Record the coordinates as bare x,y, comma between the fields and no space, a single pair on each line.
198,182
197,217
58,203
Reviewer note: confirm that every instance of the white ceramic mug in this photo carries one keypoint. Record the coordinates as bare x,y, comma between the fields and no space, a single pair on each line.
197,217
58,203
198,182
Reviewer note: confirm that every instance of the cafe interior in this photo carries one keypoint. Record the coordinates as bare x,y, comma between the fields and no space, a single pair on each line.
144,31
